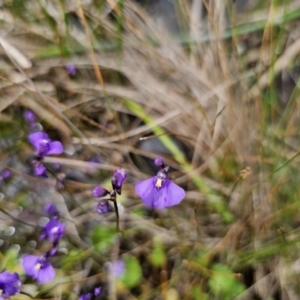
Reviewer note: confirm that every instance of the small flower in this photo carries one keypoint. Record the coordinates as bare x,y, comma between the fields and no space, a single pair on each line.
159,162
100,192
4,175
38,267
159,191
39,168
103,207
52,211
91,296
43,145
97,291
71,69
118,268
87,296
9,284
30,117
53,231
118,179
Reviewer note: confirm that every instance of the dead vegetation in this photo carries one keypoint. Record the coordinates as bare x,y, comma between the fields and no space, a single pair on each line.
219,101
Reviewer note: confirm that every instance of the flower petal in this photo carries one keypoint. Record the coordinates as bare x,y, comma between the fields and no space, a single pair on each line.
175,194
55,148
146,190
46,274
36,137
29,264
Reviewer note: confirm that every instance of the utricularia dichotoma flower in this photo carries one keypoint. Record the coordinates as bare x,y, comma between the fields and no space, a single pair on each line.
53,230
91,296
43,146
159,191
117,181
9,284
39,266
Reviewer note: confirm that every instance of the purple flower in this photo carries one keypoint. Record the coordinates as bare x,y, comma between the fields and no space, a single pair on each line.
100,192
9,284
159,191
71,69
39,168
103,207
4,175
43,145
52,211
30,117
91,296
159,162
118,268
53,231
118,179
38,267
87,296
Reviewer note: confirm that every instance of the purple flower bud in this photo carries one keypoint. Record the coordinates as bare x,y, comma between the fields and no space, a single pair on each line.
91,296
53,251
103,207
9,284
87,296
53,231
71,69
56,167
52,211
159,162
159,191
118,179
30,117
4,175
38,267
97,291
100,192
118,268
39,168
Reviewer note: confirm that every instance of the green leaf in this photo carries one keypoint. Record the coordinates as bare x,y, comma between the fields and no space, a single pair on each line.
196,293
10,260
133,272
158,256
224,284
71,258
103,237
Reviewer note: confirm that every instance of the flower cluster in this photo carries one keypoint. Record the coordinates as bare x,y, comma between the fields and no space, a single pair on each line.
117,181
159,191
39,266
156,192
9,284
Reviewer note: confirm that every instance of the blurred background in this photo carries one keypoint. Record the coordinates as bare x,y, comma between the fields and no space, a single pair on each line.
212,86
